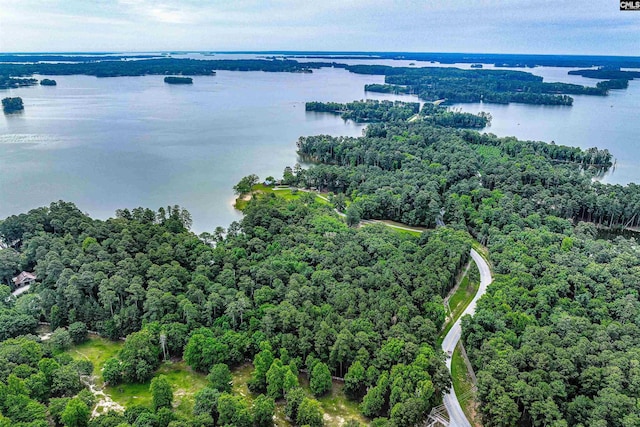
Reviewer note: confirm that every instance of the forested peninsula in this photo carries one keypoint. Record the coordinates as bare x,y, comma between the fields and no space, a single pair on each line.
606,73
84,57
449,85
241,325
12,83
497,59
372,111
558,289
157,66
457,85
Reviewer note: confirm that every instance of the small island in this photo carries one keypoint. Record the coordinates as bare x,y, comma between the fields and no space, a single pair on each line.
12,83
173,80
48,82
12,105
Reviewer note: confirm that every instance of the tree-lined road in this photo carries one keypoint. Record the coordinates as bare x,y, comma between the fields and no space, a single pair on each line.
456,415
457,418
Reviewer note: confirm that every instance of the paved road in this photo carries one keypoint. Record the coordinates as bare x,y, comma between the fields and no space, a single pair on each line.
457,418
456,415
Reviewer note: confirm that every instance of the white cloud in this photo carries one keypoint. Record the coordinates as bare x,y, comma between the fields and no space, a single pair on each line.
540,26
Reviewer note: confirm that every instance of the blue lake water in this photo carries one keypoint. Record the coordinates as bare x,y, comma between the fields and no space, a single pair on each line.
122,142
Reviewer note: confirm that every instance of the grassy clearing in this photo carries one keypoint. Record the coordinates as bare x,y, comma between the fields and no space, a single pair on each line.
463,385
403,228
461,298
97,350
489,152
336,407
240,377
284,192
184,381
409,232
467,290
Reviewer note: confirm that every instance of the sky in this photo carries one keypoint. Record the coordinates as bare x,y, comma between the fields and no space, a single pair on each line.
482,26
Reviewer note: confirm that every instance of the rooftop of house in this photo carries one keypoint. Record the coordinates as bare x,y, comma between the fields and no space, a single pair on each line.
23,277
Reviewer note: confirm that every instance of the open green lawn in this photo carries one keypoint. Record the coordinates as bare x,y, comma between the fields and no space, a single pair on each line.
462,384
284,192
97,350
467,290
400,228
336,407
489,152
416,232
185,382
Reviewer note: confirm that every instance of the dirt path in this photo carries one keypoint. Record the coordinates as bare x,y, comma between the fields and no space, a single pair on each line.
104,402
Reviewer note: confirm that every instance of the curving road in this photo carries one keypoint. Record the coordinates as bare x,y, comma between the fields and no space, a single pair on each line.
457,418
456,415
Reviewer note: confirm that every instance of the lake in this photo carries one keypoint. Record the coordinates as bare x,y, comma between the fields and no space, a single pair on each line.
593,121
123,142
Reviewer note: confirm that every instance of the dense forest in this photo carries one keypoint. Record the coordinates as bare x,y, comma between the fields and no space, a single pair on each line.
84,57
39,385
606,73
12,105
12,83
554,341
368,111
291,287
304,296
408,172
457,85
371,111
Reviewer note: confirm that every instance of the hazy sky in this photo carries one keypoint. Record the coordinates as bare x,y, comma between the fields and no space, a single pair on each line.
506,26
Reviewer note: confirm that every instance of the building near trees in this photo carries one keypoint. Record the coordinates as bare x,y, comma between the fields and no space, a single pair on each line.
23,279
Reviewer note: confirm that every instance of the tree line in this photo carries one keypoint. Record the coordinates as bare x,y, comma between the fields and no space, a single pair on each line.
476,85
291,287
385,111
12,83
12,105
158,66
554,340
498,59
409,171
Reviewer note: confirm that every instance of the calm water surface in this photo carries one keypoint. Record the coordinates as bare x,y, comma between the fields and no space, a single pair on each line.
134,141
609,122
122,142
